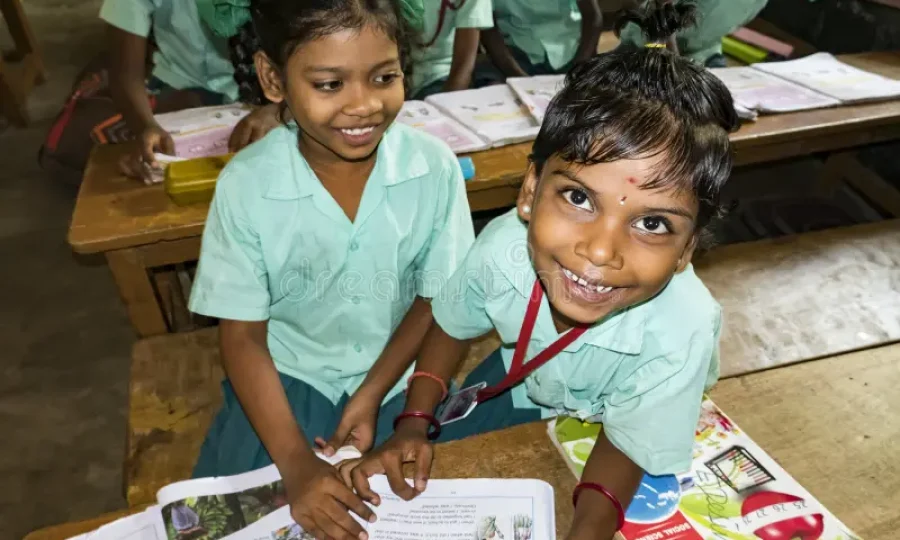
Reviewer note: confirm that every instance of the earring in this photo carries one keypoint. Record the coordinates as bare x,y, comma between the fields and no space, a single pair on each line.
526,209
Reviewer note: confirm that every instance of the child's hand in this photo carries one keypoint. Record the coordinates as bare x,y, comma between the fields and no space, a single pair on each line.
357,426
254,126
140,161
321,503
409,444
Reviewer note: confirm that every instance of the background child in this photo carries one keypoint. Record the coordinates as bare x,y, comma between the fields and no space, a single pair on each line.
625,174
446,48
191,67
324,243
541,38
702,42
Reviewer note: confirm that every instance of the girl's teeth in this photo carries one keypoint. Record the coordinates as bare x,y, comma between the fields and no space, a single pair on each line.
358,131
581,281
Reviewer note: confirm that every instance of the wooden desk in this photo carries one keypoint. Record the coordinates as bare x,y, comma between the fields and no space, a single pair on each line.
138,228
832,424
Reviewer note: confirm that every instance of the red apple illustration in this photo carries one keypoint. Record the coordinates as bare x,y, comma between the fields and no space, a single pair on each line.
809,527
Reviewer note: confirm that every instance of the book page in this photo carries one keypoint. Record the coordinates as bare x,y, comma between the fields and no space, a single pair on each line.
494,113
146,525
422,115
757,90
224,505
536,92
734,490
826,74
447,510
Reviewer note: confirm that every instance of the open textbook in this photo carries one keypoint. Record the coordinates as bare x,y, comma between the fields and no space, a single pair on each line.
197,133
495,113
756,90
816,81
426,117
253,506
536,92
733,491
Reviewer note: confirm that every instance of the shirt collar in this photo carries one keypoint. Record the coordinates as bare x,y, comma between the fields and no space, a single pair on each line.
395,163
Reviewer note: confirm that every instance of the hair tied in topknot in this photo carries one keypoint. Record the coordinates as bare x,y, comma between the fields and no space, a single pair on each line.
660,19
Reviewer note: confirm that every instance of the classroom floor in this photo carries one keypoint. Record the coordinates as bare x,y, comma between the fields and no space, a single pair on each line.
64,334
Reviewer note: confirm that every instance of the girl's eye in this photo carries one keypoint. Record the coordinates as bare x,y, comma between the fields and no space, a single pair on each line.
578,198
653,225
328,86
386,79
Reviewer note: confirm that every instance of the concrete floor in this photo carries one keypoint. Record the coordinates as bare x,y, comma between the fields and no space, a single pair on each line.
65,338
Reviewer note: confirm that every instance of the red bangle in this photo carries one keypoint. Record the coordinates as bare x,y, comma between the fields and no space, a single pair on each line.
620,522
432,435
433,377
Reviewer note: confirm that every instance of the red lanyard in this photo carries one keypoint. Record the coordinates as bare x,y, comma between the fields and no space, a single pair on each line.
518,371
442,14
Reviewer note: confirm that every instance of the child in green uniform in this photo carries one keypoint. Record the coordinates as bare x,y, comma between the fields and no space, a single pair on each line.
325,243
589,284
702,42
443,56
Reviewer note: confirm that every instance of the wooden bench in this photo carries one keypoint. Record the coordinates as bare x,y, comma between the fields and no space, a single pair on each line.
831,423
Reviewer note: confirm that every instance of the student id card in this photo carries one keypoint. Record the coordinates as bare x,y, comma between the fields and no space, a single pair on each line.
460,404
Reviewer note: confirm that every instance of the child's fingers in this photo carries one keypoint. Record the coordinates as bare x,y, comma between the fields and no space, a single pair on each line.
424,458
360,478
393,469
345,527
345,496
167,145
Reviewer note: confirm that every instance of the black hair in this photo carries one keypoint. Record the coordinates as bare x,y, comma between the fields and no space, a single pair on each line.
632,104
278,27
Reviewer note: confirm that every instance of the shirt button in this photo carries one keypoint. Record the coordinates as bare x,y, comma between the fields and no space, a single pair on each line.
357,347
356,300
354,245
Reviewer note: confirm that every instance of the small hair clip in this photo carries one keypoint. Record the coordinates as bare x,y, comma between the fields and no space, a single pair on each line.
656,45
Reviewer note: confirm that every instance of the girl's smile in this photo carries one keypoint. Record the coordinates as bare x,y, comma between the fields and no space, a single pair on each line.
599,241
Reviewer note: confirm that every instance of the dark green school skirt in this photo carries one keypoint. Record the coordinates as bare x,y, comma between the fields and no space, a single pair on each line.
232,446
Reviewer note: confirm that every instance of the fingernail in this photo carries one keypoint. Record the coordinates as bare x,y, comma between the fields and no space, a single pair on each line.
363,536
376,501
373,518
420,484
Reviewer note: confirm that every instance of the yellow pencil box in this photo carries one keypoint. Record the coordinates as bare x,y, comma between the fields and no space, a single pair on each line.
193,181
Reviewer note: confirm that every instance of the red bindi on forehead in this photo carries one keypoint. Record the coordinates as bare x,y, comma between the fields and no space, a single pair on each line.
632,180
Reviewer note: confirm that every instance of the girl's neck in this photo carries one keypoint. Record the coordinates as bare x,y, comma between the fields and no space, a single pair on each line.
344,180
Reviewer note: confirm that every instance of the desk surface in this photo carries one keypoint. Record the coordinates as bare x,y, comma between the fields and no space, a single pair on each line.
114,212
830,423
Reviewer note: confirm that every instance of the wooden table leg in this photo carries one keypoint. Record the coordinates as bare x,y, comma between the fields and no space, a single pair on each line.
132,277
20,30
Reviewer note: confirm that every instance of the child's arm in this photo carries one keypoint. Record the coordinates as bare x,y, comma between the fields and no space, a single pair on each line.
596,517
500,54
441,355
465,51
318,497
591,27
126,76
357,426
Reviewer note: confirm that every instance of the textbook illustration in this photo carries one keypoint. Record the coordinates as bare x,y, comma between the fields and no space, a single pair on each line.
733,491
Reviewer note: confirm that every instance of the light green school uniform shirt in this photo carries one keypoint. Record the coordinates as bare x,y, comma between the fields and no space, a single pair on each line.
548,31
278,247
189,55
433,63
641,372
